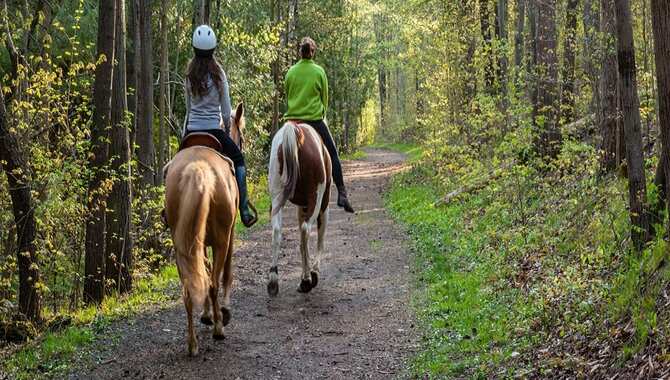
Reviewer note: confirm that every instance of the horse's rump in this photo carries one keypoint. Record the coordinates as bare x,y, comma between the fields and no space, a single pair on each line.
301,162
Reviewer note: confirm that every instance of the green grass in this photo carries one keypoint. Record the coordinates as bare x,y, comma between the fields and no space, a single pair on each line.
54,352
469,326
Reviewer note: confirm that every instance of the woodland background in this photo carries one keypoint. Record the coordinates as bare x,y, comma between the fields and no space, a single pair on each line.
536,199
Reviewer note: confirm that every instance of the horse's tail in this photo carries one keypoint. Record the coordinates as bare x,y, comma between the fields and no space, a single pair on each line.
291,166
196,187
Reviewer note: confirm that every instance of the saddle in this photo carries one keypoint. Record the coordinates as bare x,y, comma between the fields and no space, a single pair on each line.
200,139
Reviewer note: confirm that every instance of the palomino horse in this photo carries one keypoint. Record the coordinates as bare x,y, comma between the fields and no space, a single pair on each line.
201,207
300,171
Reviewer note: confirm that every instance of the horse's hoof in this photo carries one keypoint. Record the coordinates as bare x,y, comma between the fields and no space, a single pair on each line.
305,286
193,350
205,320
273,288
315,278
225,316
219,336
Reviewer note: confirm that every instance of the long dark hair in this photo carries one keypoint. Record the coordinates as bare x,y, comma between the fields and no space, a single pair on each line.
197,72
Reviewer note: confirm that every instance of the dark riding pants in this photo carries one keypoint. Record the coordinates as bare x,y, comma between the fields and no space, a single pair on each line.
229,149
322,129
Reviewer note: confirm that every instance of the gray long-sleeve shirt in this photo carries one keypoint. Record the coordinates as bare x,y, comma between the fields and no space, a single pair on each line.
205,112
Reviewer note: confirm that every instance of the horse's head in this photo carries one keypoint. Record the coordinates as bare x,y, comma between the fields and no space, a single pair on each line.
237,126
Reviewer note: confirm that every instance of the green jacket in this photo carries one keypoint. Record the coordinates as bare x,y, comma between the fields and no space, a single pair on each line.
306,88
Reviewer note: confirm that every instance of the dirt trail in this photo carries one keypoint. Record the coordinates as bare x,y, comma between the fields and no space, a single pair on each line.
356,324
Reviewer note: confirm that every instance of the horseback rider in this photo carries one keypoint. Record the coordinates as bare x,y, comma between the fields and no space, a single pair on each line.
208,103
306,87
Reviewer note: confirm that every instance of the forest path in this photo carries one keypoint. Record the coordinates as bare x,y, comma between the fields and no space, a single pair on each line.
356,324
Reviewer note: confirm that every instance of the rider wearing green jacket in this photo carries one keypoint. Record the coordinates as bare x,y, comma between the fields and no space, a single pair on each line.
306,87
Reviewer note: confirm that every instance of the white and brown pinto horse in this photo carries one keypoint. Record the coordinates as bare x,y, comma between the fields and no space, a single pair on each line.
201,206
300,172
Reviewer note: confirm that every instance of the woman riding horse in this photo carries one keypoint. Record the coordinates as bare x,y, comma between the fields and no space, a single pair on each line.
208,102
307,92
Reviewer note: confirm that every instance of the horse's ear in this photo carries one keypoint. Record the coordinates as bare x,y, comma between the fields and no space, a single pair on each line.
239,113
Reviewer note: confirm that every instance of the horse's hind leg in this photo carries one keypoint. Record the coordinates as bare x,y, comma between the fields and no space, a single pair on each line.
220,253
192,339
322,223
273,283
306,282
227,282
206,316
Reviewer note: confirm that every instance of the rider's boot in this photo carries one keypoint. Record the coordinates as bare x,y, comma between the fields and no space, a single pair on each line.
343,200
248,218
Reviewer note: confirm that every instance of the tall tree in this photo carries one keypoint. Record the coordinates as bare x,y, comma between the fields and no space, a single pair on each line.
660,17
487,44
133,64
592,56
17,170
380,37
545,110
275,16
531,51
569,49
163,91
145,97
611,136
501,37
201,12
119,242
102,102
632,125
518,34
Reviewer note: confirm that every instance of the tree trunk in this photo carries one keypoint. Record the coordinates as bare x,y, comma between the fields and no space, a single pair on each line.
592,57
518,36
632,125
293,27
531,62
487,44
501,35
145,98
275,67
608,89
201,12
13,162
133,65
119,243
569,48
545,110
163,142
660,18
102,99
381,72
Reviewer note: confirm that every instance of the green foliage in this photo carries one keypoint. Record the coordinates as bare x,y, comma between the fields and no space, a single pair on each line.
534,260
55,352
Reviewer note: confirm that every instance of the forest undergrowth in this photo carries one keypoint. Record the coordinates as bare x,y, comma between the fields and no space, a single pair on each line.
525,269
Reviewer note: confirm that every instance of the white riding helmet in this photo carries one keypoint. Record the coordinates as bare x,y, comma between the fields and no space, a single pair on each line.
204,40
